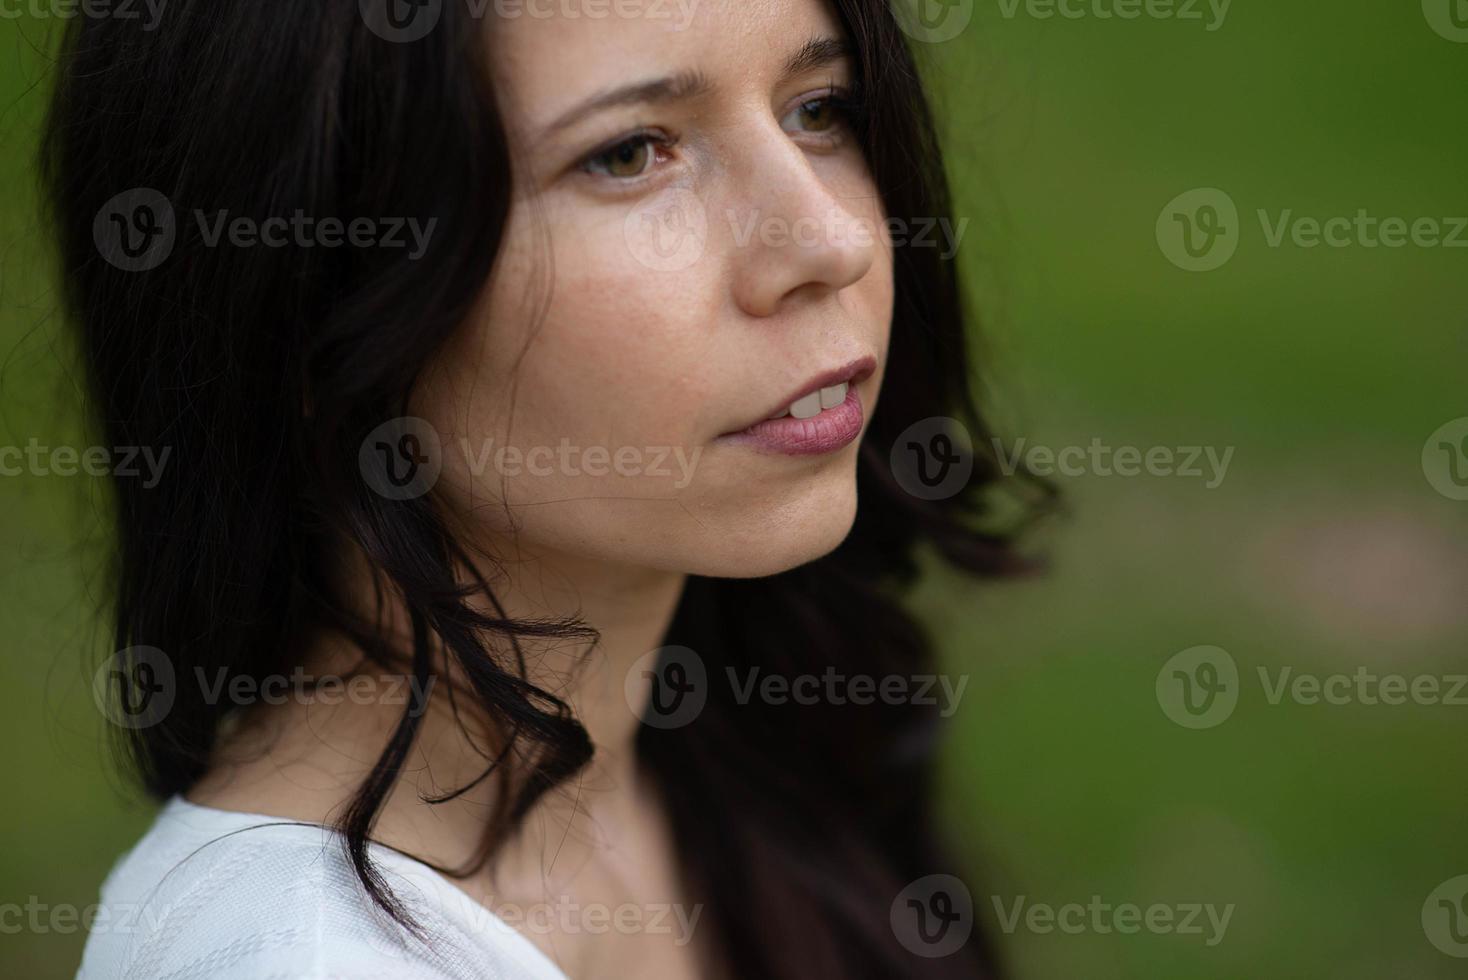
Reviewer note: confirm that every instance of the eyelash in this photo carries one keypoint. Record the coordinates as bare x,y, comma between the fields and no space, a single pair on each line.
848,108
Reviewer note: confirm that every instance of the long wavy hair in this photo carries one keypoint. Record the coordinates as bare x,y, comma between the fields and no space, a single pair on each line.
796,825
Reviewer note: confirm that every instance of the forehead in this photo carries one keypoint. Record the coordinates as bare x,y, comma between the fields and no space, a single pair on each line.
548,55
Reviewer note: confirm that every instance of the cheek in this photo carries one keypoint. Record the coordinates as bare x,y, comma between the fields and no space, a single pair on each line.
582,355
622,352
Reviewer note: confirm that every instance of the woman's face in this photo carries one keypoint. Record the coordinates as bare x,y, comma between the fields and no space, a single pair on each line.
693,247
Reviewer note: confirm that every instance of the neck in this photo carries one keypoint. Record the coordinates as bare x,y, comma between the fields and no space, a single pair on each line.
630,610
306,760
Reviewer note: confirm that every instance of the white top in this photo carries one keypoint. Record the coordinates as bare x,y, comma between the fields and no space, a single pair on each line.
221,895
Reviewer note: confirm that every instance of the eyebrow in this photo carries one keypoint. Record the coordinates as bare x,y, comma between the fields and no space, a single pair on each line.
816,53
692,83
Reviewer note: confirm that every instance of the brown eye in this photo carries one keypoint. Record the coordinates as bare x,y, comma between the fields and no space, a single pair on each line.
817,115
630,158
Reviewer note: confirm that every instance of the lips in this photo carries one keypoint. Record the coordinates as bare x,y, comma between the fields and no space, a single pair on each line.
823,415
824,391
809,406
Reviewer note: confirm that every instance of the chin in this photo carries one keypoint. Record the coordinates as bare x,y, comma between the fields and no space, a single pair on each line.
785,533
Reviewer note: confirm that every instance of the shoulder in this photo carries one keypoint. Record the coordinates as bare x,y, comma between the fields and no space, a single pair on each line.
211,893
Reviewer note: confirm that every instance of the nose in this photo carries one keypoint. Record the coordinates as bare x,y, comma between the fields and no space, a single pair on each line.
793,236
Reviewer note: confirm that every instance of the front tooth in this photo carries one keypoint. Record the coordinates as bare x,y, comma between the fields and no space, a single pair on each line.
833,396
807,407
779,415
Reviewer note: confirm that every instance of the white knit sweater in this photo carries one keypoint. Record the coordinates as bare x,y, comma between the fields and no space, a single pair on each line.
215,894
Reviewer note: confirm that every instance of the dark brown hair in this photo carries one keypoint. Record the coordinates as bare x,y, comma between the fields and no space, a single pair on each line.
797,825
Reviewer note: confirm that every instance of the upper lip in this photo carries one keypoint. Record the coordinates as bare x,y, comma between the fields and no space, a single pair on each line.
853,372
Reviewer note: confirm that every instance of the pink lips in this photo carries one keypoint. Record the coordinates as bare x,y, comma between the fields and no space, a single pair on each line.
826,432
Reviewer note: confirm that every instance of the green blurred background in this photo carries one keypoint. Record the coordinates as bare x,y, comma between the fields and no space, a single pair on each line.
1324,549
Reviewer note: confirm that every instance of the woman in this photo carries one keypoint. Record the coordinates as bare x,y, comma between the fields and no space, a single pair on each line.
518,369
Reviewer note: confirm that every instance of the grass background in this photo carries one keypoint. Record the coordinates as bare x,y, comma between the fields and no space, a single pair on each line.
1325,549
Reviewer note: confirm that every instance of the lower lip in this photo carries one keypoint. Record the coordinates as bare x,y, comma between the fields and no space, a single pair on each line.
826,432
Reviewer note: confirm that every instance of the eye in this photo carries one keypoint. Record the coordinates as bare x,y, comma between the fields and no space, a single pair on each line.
823,116
629,159
815,116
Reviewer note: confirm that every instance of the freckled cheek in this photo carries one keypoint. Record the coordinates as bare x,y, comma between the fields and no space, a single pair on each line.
626,351
875,295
